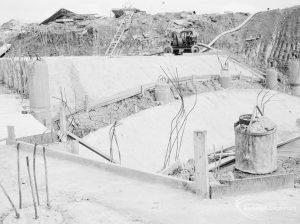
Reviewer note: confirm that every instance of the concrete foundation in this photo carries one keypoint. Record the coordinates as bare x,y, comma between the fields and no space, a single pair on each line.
252,185
39,92
225,78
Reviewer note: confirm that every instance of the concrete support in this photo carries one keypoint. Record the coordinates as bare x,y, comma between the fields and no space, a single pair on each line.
225,78
201,164
271,78
11,136
163,93
39,92
294,76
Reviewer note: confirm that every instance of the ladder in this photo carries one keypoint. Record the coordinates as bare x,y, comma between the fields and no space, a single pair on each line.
123,27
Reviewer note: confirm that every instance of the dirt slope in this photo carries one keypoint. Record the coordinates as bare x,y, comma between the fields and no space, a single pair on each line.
270,37
148,32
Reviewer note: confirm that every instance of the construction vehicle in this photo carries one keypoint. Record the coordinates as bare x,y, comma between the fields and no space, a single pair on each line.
182,42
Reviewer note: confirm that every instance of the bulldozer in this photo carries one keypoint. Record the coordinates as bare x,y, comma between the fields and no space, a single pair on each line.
182,42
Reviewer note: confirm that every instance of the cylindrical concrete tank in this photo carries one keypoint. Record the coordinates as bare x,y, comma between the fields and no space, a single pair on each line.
294,76
271,78
225,78
256,147
39,91
163,92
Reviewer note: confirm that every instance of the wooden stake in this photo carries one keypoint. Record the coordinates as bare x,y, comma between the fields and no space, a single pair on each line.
201,163
46,177
34,175
10,201
19,180
32,191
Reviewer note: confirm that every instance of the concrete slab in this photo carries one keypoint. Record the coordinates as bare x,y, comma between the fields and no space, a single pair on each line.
99,77
86,194
11,107
146,133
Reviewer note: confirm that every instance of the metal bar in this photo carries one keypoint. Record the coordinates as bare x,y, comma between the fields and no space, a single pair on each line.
32,191
93,149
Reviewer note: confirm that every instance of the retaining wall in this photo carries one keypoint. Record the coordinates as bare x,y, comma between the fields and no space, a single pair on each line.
102,77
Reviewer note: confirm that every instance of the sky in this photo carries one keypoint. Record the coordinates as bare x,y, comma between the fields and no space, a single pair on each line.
39,10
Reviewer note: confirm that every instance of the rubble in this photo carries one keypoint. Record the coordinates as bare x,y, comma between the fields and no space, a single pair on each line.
259,43
63,15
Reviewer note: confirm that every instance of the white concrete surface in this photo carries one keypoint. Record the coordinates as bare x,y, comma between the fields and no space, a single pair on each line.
98,76
11,107
143,137
85,194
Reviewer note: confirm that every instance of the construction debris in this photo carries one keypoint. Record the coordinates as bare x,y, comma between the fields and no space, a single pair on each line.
64,16
137,134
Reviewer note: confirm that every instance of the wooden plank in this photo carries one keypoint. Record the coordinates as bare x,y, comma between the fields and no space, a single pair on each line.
218,155
201,172
282,143
223,162
91,148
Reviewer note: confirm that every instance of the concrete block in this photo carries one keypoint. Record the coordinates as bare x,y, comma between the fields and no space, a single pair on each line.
252,185
115,168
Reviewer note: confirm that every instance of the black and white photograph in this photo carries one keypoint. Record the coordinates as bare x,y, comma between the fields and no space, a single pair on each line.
149,112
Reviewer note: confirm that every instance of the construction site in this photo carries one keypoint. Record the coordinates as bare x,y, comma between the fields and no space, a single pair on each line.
173,117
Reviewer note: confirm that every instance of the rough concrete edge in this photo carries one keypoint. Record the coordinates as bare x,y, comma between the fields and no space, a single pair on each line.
252,185
115,168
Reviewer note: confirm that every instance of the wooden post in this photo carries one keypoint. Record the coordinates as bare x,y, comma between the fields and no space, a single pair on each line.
201,171
11,136
19,178
63,124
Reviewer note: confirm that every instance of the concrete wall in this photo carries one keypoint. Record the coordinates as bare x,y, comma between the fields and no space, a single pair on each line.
29,77
101,77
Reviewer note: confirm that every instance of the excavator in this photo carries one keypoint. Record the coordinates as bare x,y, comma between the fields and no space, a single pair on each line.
182,42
